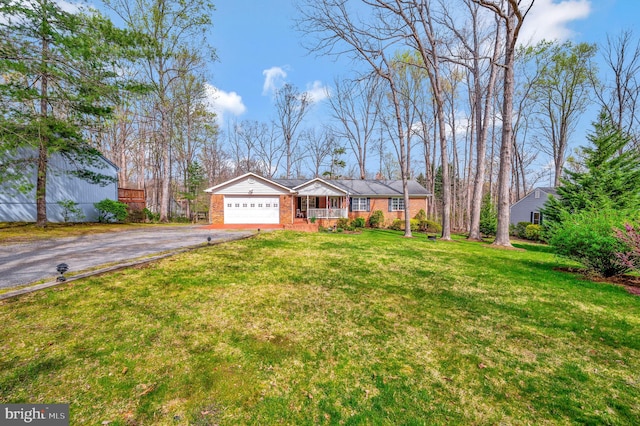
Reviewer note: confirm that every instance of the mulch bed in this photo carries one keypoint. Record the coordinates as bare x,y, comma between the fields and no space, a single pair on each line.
630,282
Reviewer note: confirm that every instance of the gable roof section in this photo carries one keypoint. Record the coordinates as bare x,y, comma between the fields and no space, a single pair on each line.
248,183
549,190
316,184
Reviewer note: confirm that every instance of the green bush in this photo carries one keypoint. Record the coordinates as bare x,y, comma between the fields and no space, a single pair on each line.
136,216
151,216
431,226
70,211
521,229
358,222
533,232
421,215
588,238
376,220
111,211
397,225
342,223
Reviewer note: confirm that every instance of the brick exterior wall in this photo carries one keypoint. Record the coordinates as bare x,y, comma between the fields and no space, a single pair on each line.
415,205
216,209
287,209
287,212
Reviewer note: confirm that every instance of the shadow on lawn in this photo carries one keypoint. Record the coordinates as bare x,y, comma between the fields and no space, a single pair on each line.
538,248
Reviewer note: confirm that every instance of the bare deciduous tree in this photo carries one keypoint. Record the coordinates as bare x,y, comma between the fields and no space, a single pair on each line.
512,18
291,107
339,31
619,92
355,105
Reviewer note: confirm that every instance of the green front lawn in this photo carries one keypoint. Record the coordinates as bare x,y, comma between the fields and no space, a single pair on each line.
294,328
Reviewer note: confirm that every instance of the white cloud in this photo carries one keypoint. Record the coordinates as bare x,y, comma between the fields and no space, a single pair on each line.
317,91
70,7
548,20
273,79
222,102
66,6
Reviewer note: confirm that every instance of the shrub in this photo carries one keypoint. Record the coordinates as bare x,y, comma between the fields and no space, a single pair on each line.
588,238
533,232
342,223
397,225
629,237
71,211
421,215
136,215
111,211
358,222
376,220
430,226
521,229
151,216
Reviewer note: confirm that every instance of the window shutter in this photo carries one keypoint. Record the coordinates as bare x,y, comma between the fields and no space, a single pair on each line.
368,204
351,204
390,204
531,218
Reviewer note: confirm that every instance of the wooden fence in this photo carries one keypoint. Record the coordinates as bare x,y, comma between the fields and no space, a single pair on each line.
134,198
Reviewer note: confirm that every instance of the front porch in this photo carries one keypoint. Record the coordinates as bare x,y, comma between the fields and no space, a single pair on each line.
322,207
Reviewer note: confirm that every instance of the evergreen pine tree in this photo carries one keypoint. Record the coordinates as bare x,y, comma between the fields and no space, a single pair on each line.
58,81
608,179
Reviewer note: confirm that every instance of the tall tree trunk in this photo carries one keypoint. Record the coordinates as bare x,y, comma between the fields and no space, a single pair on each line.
504,172
482,128
43,154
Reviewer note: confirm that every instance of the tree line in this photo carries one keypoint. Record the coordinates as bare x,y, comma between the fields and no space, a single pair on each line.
443,92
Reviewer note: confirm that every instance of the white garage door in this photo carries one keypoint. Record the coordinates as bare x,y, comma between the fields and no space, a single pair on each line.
251,210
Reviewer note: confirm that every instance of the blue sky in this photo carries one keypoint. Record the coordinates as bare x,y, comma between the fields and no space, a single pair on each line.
255,40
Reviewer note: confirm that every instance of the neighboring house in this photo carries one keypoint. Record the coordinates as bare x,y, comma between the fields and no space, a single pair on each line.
527,209
252,199
62,185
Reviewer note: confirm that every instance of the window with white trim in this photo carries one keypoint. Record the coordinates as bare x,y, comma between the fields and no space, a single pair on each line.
535,218
397,204
310,200
359,204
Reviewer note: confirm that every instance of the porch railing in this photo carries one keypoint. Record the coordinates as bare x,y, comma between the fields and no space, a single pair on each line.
327,213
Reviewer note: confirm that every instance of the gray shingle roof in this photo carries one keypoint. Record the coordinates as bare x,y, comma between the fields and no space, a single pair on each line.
368,187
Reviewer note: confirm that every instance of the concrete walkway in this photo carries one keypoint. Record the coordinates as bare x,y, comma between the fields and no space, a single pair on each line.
25,263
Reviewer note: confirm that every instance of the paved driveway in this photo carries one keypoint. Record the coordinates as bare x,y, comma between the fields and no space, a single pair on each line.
25,263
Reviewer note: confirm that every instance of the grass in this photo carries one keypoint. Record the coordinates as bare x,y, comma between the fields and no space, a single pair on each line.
292,328
14,232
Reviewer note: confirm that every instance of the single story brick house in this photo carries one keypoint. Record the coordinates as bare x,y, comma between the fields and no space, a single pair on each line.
527,209
253,199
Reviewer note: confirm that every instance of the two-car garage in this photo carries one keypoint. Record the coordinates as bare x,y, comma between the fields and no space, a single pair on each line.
240,209
251,200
